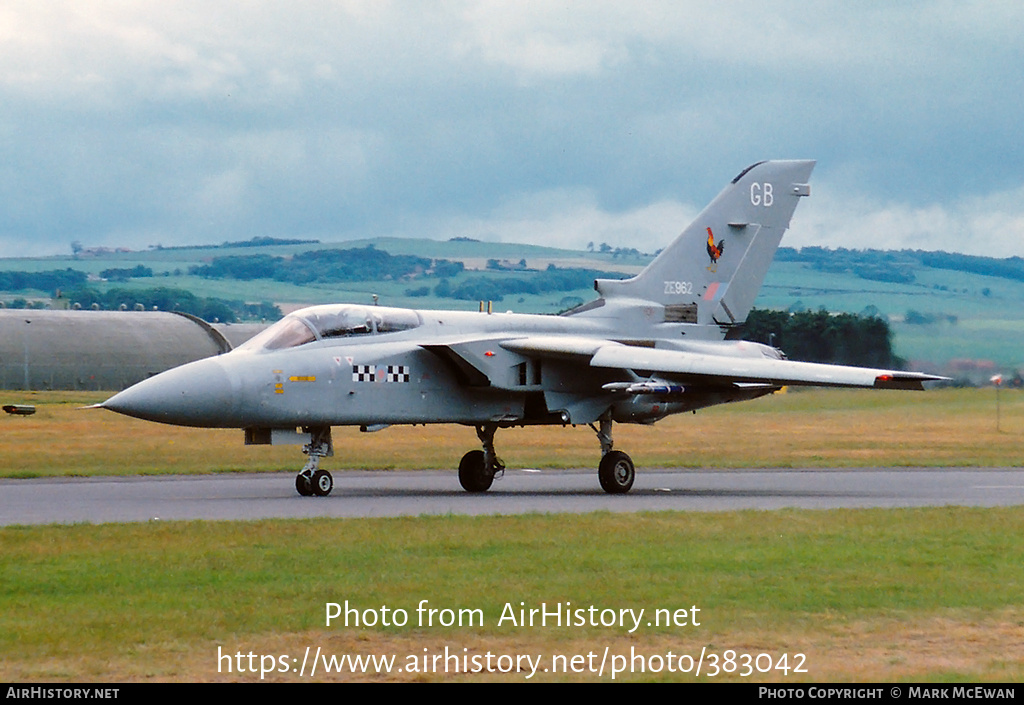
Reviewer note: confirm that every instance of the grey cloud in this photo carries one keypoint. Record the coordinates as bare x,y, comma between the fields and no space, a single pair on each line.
187,122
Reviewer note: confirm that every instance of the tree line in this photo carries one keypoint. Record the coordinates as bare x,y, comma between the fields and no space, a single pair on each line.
819,336
356,264
42,281
210,309
496,288
370,264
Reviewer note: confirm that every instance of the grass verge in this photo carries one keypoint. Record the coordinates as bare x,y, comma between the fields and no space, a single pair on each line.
869,595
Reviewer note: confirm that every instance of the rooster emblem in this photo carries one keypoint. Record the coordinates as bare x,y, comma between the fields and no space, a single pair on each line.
715,250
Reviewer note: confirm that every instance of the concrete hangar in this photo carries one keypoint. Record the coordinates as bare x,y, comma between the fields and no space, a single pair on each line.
105,350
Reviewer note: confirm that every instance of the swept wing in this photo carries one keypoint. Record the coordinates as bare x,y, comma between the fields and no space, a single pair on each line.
708,368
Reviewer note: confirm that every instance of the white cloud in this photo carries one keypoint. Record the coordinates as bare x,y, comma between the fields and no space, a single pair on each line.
570,219
990,225
547,39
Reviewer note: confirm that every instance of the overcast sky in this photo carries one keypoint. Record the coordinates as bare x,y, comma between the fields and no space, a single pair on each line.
556,122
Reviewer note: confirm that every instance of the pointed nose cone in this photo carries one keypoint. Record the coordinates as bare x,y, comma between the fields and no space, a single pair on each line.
197,394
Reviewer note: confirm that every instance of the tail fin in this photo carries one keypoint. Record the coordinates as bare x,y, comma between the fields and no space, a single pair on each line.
712,272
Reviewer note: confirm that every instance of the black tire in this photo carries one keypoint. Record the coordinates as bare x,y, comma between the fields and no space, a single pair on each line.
474,475
616,472
303,485
322,483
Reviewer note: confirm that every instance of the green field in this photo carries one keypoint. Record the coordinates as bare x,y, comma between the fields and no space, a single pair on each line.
865,595
982,315
987,327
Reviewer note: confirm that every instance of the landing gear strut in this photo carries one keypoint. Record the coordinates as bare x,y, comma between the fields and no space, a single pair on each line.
479,468
311,480
616,472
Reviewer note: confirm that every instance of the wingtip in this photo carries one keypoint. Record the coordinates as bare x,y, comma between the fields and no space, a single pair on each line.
911,381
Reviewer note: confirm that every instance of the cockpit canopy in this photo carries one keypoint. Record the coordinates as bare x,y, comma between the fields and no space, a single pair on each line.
332,321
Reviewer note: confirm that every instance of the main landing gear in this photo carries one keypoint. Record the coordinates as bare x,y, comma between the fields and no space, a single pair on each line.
479,468
311,480
616,472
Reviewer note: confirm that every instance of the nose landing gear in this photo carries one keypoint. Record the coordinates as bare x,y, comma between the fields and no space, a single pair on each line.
311,480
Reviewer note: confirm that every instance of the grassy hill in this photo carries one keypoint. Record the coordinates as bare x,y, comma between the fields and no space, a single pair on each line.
942,308
941,316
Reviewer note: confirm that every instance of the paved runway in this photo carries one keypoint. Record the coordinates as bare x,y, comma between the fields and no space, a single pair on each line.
391,493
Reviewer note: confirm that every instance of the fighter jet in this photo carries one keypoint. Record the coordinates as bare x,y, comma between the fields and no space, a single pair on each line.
647,347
